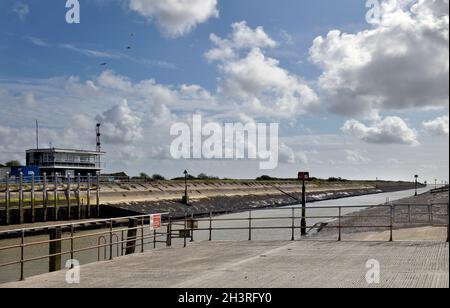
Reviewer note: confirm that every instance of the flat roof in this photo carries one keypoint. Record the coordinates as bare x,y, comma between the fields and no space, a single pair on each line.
70,151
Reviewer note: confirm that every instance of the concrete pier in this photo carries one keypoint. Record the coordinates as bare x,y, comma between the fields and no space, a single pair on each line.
267,265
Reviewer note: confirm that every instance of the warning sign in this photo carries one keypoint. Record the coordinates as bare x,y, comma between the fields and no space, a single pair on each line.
155,221
303,176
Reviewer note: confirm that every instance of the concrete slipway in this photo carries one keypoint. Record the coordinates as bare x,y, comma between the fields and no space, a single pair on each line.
267,265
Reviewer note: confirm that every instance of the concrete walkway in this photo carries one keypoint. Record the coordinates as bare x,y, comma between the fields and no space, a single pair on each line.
266,265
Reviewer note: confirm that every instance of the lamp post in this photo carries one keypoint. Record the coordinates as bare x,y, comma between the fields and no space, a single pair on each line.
415,184
185,198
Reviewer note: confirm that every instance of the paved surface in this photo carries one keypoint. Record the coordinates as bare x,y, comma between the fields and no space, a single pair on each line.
267,264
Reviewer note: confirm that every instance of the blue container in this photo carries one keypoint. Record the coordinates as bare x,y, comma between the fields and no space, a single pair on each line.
27,172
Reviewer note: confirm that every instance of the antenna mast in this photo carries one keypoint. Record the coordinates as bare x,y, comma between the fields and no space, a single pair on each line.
37,135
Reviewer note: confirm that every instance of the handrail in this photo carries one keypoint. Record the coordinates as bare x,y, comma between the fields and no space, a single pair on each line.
138,239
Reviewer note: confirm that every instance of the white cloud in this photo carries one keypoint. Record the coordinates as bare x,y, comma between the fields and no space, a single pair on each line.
437,127
120,125
390,130
242,37
259,84
401,63
356,157
288,156
176,17
22,10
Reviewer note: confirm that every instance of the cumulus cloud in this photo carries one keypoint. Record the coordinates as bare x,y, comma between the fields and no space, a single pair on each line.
437,127
120,125
242,37
176,17
401,63
261,85
390,130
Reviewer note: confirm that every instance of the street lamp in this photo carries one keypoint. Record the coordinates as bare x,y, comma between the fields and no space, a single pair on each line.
185,198
416,183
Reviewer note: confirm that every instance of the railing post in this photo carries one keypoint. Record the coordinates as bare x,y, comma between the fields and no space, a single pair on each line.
192,227
142,234
185,229
122,242
98,195
293,225
68,193
7,197
21,198
448,222
210,226
391,227
169,233
409,213
340,225
72,256
78,195
56,197
45,196
111,239
88,196
55,249
250,225
32,198
22,255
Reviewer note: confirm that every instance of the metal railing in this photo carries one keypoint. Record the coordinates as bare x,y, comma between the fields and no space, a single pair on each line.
186,228
336,222
135,238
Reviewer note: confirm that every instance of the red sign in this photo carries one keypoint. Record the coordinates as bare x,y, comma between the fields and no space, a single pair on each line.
155,221
303,176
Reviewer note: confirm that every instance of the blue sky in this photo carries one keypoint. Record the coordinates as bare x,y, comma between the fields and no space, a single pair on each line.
50,70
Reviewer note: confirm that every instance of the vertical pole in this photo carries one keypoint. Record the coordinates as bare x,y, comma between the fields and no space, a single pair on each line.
169,233
430,214
250,225
78,195
22,255
409,213
154,239
293,225
56,197
69,205
303,221
72,256
142,234
391,231
45,196
55,249
192,227
185,229
32,198
21,198
88,195
111,239
448,222
98,195
122,242
7,197
340,224
210,226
